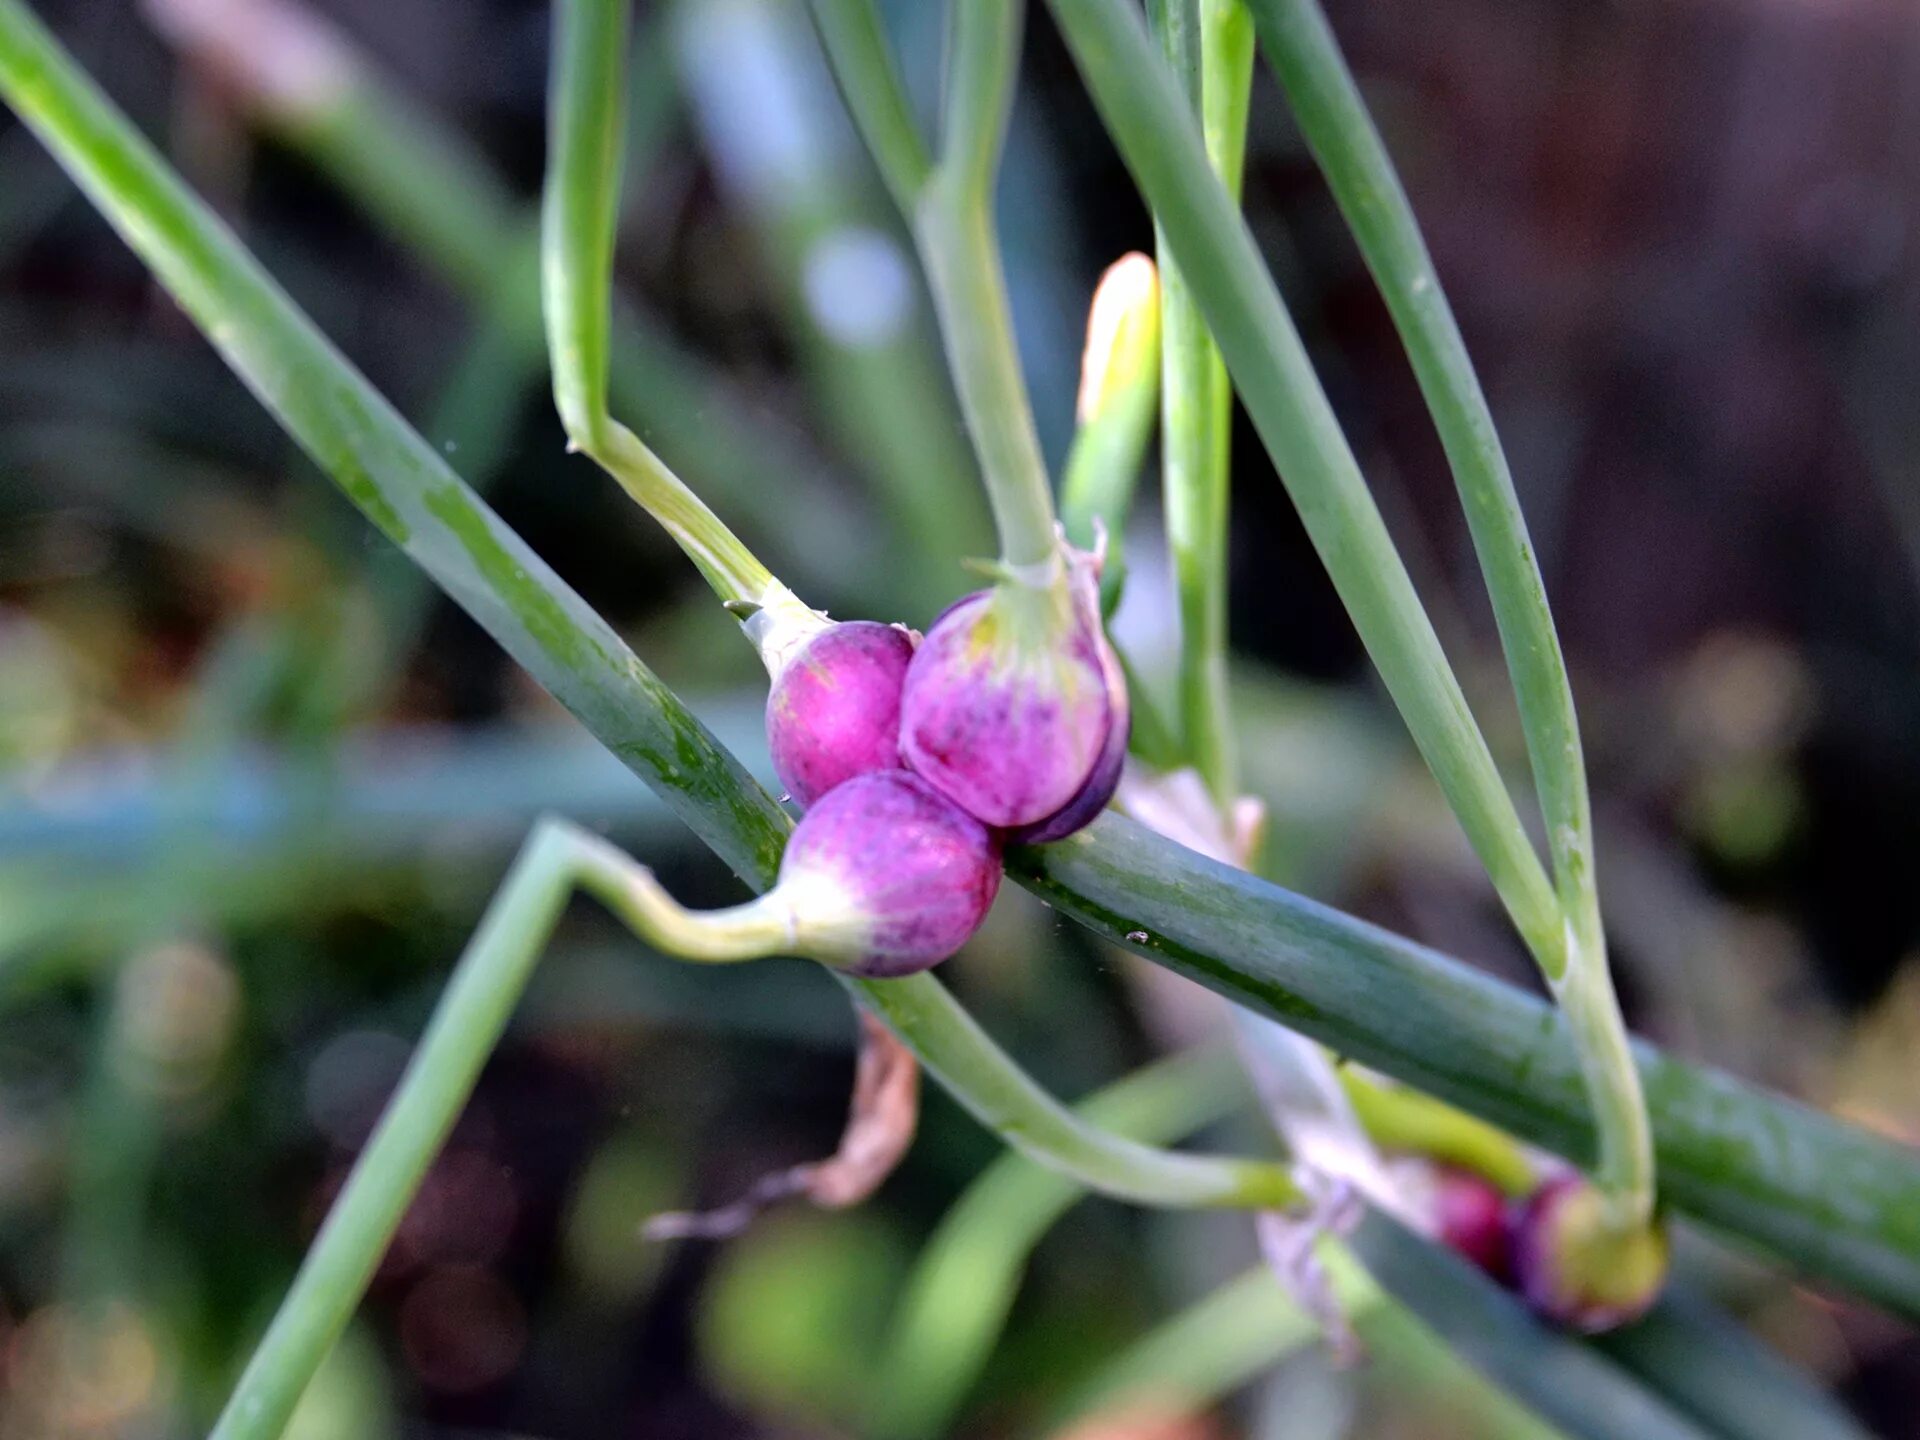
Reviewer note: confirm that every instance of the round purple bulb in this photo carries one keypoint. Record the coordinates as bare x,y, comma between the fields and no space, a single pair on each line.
1570,1269
834,710
1015,707
1471,1218
886,876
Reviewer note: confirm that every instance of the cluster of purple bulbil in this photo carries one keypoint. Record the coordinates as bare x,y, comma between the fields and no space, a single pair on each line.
915,761
1541,1246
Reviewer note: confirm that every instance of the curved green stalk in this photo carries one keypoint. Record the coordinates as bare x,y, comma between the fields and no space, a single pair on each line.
1832,1198
1301,48
1396,1118
961,1055
856,44
953,221
579,217
950,210
471,1017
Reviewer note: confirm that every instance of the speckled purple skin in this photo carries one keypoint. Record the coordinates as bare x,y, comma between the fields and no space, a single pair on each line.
1093,795
1471,1218
1540,1278
834,713
924,869
1011,739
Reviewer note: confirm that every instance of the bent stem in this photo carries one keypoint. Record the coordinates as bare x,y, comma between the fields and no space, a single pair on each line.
579,217
948,204
1301,48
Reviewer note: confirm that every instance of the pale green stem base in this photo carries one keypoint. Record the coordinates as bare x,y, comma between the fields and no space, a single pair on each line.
1624,1165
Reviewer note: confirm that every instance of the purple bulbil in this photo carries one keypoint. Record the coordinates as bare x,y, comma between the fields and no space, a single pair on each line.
888,876
834,710
1471,1219
1573,1271
1016,709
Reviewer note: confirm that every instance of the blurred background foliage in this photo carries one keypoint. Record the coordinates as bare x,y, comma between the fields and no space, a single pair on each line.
256,781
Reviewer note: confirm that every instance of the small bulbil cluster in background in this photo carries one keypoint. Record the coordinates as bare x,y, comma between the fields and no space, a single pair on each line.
1553,1247
915,760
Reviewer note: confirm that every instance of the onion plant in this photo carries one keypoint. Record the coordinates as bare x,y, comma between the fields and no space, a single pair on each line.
1659,1135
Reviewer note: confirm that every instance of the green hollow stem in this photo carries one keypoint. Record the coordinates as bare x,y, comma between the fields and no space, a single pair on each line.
1303,52
579,219
1833,1199
949,207
1828,1197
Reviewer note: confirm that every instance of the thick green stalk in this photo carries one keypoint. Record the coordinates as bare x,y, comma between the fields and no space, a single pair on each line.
1837,1201
580,215
1150,122
1834,1199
